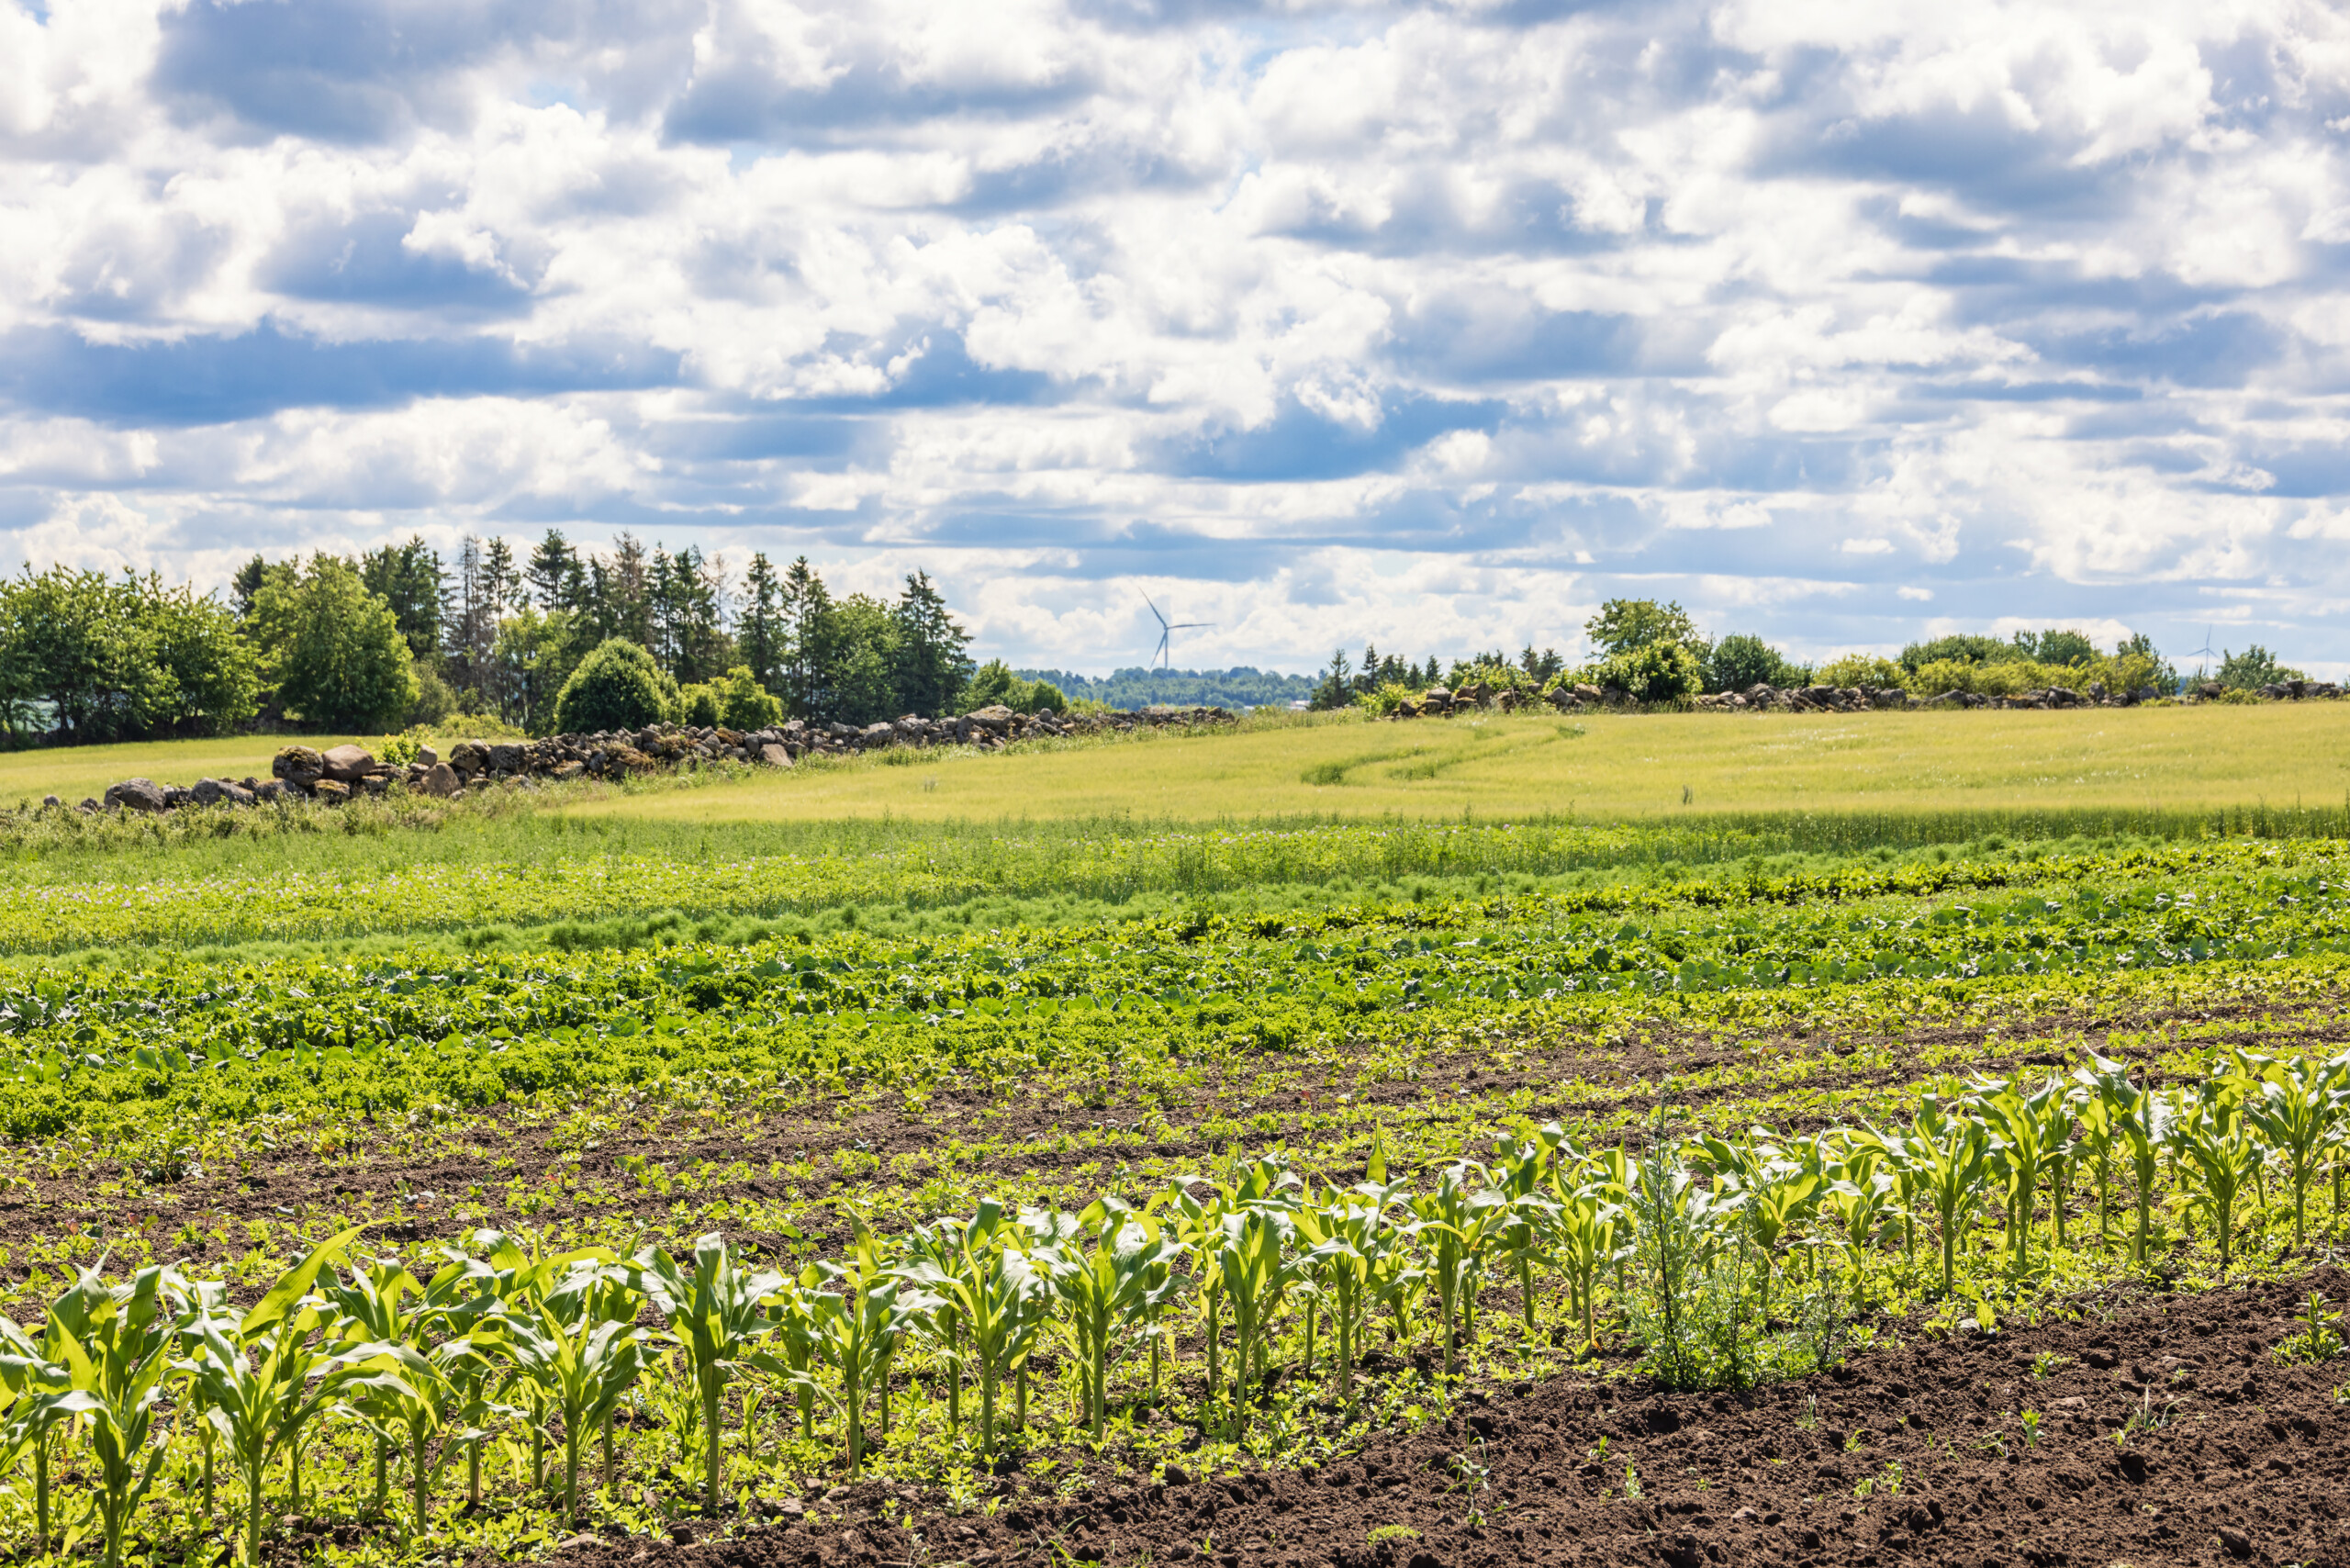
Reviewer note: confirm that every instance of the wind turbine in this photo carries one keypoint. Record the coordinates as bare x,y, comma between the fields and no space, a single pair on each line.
2205,651
1164,652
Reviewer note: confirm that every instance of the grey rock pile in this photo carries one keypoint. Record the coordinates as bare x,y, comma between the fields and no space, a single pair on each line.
341,772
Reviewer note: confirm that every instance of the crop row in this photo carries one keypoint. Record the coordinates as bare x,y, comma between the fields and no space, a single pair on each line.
221,1040
1222,1304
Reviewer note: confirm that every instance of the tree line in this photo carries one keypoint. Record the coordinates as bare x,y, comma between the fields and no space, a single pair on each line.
1656,652
401,635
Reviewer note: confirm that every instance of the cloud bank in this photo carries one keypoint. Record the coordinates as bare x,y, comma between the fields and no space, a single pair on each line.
1433,324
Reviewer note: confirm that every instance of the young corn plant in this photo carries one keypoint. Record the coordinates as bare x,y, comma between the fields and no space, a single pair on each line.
1861,1199
860,1310
2296,1106
2140,1121
115,1345
1520,1174
2095,1109
1256,1264
2214,1138
1110,1276
1953,1157
263,1379
1775,1193
715,1317
1590,1236
2030,1129
582,1366
1357,1256
1457,1226
987,1289
37,1380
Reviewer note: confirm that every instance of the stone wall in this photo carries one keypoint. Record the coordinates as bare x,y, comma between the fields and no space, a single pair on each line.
344,771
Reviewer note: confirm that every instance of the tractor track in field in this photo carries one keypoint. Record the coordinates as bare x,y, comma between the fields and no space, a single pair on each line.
1912,1453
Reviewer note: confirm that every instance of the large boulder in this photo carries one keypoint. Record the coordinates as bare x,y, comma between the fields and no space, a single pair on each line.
333,791
775,756
219,792
994,716
137,795
508,756
441,780
298,765
349,764
470,757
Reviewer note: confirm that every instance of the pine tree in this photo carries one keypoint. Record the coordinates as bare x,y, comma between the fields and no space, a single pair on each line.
554,572
408,579
760,632
930,653
806,670
623,599
501,580
468,620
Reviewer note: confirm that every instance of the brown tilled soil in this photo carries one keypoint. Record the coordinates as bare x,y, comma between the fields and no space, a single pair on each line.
2250,1463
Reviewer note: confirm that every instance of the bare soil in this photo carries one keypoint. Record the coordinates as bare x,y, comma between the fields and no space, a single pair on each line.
1911,1454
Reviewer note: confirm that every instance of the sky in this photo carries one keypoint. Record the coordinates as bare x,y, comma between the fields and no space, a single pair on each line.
1845,324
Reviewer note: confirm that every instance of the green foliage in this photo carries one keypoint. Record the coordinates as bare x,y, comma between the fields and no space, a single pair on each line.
1866,670
84,659
1739,661
2253,669
1240,688
1657,672
995,683
332,650
1627,625
618,686
736,702
699,707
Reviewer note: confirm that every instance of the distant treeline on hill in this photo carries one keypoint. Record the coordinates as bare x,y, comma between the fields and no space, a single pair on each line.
1243,686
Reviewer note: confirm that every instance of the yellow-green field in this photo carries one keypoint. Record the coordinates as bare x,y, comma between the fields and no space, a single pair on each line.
1613,764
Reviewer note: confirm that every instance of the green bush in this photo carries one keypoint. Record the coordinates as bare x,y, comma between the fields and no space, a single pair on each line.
618,686
1655,672
700,706
1858,669
744,703
1739,661
2253,668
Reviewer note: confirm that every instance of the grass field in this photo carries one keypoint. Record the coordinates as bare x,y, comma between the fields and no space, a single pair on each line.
1433,1115
1601,765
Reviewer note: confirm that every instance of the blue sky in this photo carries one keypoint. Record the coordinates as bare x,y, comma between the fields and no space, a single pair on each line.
1434,325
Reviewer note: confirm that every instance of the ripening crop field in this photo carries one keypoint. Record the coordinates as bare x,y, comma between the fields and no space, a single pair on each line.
596,1183
1598,765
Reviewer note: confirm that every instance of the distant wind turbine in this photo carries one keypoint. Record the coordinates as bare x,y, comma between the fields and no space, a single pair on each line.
2206,652
1165,651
